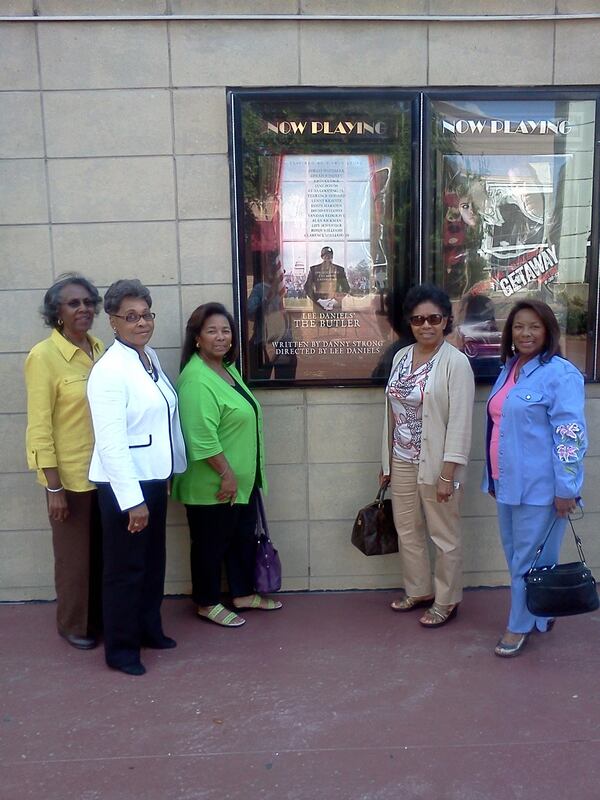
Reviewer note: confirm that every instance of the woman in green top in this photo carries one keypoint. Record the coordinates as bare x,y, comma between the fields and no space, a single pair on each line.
222,427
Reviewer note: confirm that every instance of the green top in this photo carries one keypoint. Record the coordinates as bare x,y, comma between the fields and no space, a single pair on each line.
215,418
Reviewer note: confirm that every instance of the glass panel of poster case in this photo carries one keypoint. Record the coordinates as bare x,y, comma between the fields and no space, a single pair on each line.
512,185
322,210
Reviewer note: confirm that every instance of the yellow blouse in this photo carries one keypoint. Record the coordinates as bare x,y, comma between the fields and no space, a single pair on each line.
59,426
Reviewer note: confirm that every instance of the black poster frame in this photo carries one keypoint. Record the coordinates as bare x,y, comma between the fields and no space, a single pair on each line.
418,254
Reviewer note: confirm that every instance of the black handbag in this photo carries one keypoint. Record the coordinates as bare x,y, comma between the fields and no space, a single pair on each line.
374,533
561,590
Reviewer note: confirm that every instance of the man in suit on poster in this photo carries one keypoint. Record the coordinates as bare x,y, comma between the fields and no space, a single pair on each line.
327,284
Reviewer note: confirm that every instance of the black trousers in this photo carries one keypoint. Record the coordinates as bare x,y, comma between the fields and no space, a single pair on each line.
134,574
222,532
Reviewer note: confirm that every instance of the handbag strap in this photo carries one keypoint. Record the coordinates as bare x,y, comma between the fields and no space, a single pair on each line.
381,496
541,547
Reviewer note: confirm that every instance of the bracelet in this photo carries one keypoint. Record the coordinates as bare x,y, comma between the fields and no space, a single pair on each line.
222,474
446,480
53,491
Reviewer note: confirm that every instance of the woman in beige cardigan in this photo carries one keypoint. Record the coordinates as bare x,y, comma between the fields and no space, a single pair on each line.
426,443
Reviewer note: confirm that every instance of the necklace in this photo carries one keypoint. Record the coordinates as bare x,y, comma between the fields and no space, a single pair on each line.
418,360
87,348
149,369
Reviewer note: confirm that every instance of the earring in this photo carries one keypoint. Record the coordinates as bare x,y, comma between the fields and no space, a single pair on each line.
114,330
60,323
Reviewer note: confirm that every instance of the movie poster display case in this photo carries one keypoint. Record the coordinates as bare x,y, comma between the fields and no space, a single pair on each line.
345,199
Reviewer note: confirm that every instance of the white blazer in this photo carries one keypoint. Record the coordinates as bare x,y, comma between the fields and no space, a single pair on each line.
136,424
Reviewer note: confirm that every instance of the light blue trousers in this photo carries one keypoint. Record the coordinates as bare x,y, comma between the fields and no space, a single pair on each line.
522,530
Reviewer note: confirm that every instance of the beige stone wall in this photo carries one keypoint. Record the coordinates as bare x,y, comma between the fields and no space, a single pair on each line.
113,161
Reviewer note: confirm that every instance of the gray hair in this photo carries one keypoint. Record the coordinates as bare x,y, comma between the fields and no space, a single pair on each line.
119,290
52,300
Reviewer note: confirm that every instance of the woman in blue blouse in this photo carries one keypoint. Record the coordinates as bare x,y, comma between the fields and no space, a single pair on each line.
535,445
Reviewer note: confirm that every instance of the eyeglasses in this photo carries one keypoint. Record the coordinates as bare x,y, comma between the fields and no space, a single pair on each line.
76,302
134,318
419,319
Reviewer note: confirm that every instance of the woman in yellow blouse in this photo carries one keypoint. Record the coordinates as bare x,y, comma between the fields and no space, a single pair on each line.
59,446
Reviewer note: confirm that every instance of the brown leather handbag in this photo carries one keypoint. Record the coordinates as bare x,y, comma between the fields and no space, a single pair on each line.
374,533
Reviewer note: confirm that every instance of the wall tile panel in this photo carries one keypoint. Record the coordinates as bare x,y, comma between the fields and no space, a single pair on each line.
18,60
205,251
27,565
109,251
100,189
199,56
21,133
577,59
108,123
344,433
369,54
12,436
337,491
285,434
15,307
25,254
506,53
104,55
23,503
24,197
12,383
200,121
203,187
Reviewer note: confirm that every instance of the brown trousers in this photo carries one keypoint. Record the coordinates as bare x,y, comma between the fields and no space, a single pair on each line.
77,544
417,517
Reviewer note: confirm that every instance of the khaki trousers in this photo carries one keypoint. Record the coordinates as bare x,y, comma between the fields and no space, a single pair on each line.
417,516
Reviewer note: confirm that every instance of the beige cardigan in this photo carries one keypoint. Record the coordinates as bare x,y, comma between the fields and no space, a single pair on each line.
447,416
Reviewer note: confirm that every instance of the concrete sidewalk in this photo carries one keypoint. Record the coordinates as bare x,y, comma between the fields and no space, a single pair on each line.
333,697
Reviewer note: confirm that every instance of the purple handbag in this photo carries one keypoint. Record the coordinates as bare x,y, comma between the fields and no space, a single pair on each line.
267,569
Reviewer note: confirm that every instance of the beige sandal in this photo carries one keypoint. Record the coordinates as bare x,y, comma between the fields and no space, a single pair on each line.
438,615
407,603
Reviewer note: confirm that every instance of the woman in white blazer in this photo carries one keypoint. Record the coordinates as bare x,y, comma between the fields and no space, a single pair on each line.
426,443
138,446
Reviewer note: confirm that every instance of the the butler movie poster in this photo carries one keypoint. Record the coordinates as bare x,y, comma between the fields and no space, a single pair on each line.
322,216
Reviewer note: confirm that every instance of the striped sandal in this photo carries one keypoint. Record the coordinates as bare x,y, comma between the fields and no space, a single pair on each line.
221,616
262,603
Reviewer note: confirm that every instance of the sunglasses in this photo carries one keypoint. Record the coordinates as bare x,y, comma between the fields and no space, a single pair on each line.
418,320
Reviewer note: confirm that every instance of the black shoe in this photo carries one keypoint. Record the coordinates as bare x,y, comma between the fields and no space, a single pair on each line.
164,643
80,642
130,669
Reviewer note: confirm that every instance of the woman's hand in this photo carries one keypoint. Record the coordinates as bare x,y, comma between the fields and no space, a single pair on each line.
564,505
138,518
58,508
444,490
384,480
228,490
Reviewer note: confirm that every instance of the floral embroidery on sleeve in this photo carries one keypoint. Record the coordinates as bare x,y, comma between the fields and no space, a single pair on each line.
569,444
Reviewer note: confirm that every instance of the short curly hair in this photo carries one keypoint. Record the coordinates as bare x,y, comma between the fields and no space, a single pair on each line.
52,299
126,287
428,293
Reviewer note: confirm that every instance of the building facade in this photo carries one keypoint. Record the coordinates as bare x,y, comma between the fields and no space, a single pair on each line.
120,157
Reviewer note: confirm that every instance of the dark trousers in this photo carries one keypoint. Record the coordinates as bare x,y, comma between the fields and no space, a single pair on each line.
134,574
77,544
222,532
